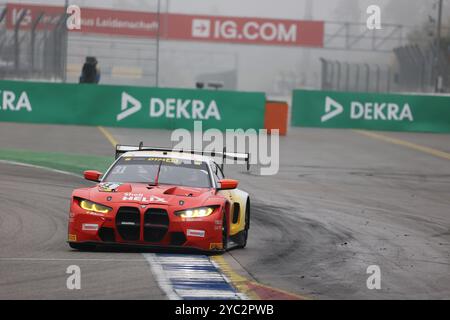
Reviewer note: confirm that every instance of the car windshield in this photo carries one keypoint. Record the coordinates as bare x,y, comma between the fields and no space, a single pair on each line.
171,172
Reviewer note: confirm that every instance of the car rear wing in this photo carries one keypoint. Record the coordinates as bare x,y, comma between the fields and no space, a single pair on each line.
122,149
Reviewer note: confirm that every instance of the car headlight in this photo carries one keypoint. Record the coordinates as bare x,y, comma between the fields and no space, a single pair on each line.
94,207
196,213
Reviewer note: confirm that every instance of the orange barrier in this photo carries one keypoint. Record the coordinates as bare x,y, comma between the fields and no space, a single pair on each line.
276,117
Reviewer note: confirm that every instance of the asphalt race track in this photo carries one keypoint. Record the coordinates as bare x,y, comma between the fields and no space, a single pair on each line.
342,201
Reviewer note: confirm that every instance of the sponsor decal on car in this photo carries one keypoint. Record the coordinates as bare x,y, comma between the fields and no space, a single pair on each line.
72,237
108,187
89,227
196,233
140,197
166,160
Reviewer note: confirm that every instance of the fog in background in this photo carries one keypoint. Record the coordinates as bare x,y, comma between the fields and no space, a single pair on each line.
262,68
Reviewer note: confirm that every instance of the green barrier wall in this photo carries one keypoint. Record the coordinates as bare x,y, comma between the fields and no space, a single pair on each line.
384,112
134,107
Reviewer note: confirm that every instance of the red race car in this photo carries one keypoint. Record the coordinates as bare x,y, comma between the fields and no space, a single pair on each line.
155,197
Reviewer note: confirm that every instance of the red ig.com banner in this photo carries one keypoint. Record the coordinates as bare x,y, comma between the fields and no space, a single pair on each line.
245,30
177,26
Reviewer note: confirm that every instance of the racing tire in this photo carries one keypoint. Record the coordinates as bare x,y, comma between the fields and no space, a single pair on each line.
81,246
243,236
224,233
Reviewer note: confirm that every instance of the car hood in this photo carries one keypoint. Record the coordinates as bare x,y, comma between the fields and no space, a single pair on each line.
146,194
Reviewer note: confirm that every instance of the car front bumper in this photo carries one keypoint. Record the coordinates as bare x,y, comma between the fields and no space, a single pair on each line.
152,228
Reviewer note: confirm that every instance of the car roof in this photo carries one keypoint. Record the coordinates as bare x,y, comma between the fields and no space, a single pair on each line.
170,155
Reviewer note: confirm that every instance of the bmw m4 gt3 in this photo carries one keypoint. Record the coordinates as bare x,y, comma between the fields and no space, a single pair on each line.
161,198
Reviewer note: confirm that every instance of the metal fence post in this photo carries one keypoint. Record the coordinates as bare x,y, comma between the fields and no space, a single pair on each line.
338,78
324,73
378,77
3,15
330,84
57,39
158,38
33,40
16,41
389,76
367,76
347,76
358,69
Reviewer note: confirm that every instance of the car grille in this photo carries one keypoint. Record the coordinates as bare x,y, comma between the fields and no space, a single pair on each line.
155,228
156,225
128,223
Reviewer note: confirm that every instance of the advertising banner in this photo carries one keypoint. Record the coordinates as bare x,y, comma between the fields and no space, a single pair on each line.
246,30
133,107
96,21
178,27
384,112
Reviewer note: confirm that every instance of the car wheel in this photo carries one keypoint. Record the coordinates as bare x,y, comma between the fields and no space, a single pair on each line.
82,246
244,234
224,232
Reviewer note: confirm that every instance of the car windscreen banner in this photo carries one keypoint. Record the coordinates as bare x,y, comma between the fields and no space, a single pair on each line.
126,106
373,111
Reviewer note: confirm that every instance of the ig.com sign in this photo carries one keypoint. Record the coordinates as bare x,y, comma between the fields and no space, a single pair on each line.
244,30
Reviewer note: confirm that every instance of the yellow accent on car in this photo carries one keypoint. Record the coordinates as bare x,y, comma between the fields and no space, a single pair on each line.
239,197
94,207
216,246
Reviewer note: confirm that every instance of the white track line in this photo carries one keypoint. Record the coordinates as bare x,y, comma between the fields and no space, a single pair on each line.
21,164
191,277
62,259
160,276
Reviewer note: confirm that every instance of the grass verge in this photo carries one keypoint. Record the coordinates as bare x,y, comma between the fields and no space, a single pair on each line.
74,163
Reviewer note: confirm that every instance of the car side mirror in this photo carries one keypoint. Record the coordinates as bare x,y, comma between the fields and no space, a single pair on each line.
228,184
92,175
